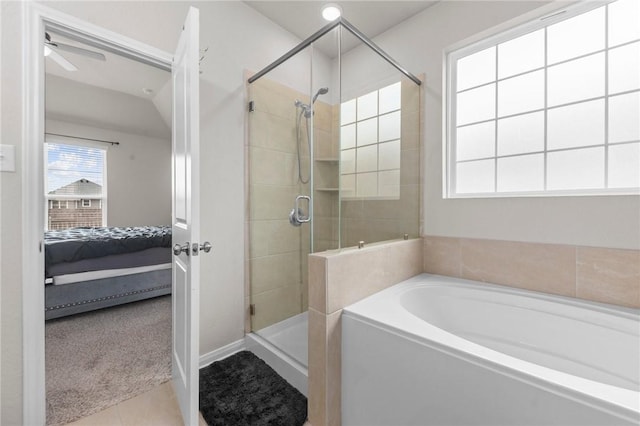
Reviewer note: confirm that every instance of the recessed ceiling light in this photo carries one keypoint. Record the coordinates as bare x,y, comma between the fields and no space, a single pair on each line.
331,11
147,91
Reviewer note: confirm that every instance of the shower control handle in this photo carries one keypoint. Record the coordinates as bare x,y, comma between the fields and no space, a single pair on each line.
297,210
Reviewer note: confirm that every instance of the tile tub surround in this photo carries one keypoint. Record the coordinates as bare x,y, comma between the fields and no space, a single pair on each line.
603,275
337,279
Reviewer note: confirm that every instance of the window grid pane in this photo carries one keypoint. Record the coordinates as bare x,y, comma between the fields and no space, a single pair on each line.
554,135
576,36
370,144
522,54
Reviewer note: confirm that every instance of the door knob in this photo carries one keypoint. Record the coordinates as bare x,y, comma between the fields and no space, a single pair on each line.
205,247
177,249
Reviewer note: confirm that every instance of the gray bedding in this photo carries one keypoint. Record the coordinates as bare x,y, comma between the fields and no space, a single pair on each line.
78,244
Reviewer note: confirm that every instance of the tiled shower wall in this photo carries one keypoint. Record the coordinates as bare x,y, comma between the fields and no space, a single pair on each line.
597,274
276,278
277,252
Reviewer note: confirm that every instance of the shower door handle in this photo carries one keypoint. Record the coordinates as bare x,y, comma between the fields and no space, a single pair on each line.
299,218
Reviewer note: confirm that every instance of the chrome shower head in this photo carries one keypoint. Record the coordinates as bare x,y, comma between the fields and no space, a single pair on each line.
306,109
321,91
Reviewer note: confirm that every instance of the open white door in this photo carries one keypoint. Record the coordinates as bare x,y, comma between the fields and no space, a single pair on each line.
186,218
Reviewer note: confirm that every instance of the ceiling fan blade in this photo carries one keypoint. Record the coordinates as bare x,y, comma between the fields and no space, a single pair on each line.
80,51
62,61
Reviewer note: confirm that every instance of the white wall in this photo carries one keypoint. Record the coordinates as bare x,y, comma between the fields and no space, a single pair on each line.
238,38
418,44
11,217
138,174
68,100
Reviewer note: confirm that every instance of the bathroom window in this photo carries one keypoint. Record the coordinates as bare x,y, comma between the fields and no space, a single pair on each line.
548,108
370,145
75,181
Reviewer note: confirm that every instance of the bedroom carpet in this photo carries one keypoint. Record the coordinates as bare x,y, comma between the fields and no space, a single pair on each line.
242,390
98,359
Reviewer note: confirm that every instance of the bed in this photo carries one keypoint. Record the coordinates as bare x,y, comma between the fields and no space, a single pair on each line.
93,268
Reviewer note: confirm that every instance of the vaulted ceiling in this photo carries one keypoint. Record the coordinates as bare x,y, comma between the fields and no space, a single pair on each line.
148,87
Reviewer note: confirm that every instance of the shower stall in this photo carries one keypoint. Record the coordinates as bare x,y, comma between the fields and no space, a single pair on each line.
333,162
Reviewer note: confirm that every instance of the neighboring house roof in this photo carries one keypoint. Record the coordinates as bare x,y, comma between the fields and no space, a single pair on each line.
81,188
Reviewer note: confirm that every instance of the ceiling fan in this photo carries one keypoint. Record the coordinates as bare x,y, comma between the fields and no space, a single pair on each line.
50,50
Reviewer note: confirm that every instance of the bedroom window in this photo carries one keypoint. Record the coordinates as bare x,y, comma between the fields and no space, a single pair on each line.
370,145
548,108
75,185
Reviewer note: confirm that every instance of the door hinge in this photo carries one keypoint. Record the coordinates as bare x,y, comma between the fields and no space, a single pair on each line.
252,309
252,106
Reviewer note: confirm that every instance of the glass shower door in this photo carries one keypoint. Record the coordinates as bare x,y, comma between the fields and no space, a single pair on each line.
279,172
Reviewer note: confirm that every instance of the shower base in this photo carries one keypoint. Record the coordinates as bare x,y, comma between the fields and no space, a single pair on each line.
284,347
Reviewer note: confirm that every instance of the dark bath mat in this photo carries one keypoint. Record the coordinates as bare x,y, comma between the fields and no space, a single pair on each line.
242,390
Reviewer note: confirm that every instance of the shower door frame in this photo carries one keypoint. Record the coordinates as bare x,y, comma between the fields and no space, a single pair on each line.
321,32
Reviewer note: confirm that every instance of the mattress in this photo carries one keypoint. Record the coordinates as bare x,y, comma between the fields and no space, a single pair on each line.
105,273
75,244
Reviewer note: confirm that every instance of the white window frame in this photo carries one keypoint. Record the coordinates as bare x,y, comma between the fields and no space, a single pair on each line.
495,37
67,140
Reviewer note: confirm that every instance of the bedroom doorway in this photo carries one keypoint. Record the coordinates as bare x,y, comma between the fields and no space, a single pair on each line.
73,36
107,170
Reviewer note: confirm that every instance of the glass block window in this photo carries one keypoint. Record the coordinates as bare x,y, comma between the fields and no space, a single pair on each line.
551,107
370,144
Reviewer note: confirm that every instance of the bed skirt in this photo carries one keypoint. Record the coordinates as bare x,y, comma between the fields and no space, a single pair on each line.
69,299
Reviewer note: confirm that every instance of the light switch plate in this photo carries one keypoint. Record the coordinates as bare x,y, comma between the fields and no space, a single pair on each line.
7,158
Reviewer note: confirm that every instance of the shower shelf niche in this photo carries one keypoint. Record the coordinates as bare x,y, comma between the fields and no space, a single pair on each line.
327,160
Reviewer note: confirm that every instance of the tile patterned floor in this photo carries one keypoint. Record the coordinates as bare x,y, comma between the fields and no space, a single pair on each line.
158,407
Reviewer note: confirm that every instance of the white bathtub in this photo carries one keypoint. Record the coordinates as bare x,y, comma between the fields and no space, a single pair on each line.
435,350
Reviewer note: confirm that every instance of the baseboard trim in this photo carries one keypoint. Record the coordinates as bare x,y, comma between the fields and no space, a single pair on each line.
223,352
